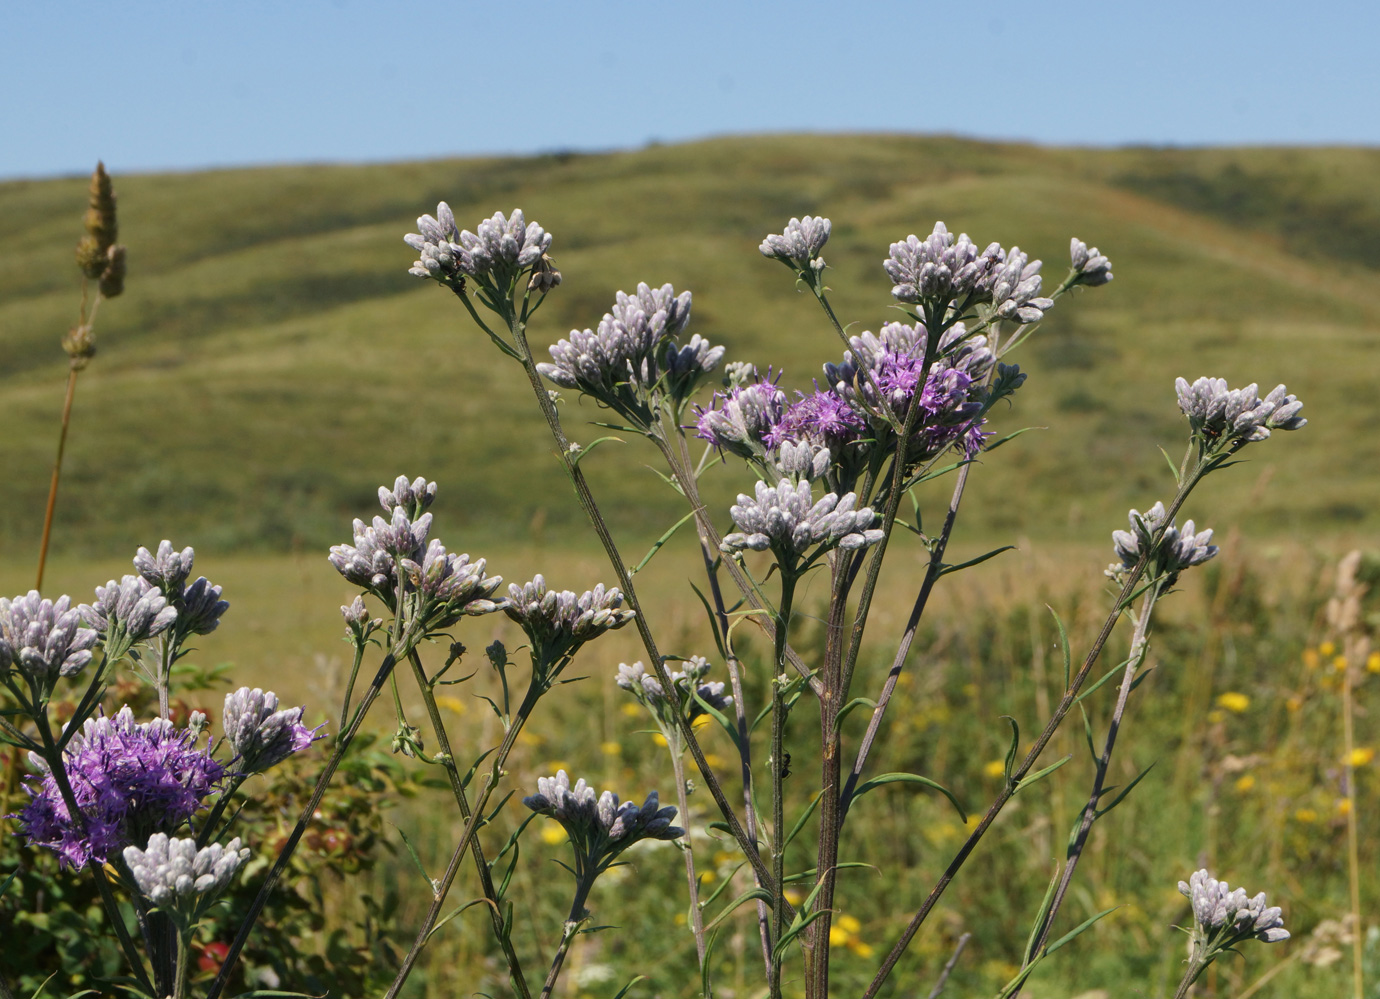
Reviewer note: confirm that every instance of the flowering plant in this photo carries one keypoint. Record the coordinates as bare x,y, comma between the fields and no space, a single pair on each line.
900,411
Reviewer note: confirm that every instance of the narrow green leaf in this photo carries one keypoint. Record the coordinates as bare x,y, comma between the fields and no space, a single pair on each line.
1173,468
1118,668
636,978
1029,779
1040,915
902,778
1125,791
453,913
856,702
946,569
415,859
581,454
1015,747
1063,646
751,895
804,817
1008,438
1084,925
656,547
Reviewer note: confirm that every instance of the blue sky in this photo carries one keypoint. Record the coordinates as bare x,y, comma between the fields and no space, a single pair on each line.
191,84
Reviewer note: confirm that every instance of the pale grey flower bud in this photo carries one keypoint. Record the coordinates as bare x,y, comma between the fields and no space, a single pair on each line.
202,607
260,734
413,497
168,570
44,638
134,606
786,519
798,247
172,871
600,826
1016,289
558,622
1227,916
1093,268
1235,417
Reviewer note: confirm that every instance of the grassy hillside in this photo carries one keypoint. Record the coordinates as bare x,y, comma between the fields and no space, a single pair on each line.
272,361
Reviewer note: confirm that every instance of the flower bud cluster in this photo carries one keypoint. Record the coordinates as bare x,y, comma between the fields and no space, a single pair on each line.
1178,549
558,622
940,269
1092,267
1226,916
173,872
371,562
740,420
451,586
260,734
199,606
786,519
502,249
798,247
634,356
132,610
413,497
690,685
44,639
1231,418
599,826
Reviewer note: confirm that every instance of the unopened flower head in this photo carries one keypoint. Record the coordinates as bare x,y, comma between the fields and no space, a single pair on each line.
371,561
174,873
940,269
599,825
502,247
1224,917
1016,289
201,607
358,621
1227,417
558,622
1093,268
688,682
438,244
168,570
413,497
633,351
261,735
1179,548
129,780
133,606
798,247
451,586
44,638
740,420
786,519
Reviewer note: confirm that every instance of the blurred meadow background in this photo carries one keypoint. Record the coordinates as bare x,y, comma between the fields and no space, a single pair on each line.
271,363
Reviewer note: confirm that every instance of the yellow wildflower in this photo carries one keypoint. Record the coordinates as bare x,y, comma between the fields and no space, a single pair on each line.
838,937
551,766
658,738
793,896
611,748
1294,703
994,768
1339,664
1245,782
1361,756
860,948
849,924
1306,815
706,877
1373,662
631,709
714,760
1344,806
1233,702
1311,659
451,704
552,832
1215,716
1327,649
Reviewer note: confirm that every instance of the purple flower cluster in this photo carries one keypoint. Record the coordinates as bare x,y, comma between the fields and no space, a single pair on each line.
261,734
129,781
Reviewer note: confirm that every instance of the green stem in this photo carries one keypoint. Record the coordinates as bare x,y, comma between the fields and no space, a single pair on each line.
692,882
778,770
1032,757
568,932
457,787
285,855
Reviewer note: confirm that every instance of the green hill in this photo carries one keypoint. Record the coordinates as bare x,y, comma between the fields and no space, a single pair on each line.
272,361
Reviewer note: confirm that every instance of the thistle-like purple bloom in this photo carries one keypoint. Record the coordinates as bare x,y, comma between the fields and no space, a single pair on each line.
740,420
819,418
260,734
129,781
44,638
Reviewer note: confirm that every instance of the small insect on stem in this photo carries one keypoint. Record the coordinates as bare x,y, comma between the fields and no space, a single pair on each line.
785,765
